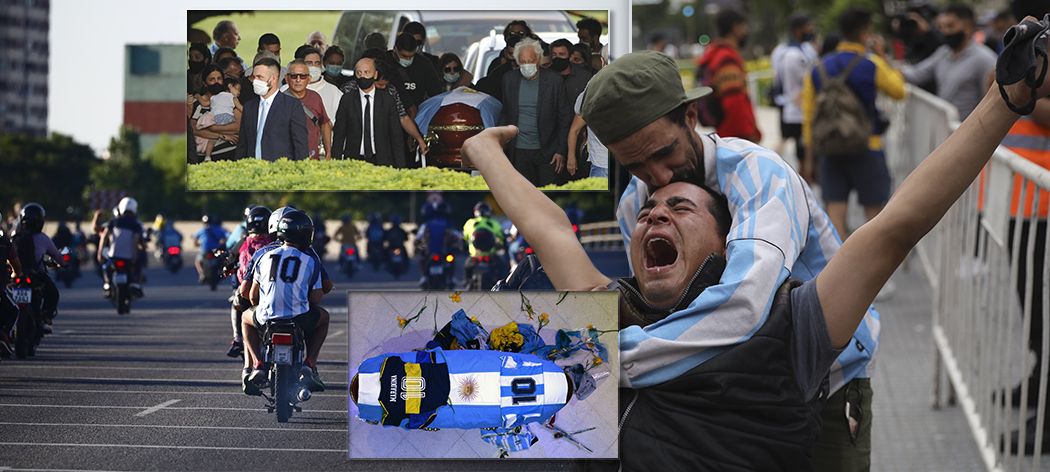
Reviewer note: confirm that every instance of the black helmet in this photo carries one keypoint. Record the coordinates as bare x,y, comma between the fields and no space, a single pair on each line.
256,220
296,228
482,209
32,217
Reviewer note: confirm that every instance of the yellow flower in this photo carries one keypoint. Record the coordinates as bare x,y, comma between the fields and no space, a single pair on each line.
455,297
590,326
597,360
544,317
401,322
474,319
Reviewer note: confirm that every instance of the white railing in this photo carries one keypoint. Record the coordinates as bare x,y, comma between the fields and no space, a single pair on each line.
980,320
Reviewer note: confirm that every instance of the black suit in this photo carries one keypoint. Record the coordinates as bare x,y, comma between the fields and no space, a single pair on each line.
386,129
553,117
284,132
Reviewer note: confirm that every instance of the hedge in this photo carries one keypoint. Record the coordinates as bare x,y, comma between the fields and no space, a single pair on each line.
283,175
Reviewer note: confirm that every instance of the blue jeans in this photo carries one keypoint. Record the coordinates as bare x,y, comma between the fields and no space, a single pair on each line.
599,171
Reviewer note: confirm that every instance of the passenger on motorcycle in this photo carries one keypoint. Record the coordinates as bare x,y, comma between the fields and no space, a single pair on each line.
375,234
236,238
433,234
347,234
286,284
167,235
32,244
395,237
209,238
484,237
8,310
258,236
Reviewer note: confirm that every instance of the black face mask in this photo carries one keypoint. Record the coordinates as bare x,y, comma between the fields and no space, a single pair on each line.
365,83
197,66
807,37
215,88
560,64
742,41
955,40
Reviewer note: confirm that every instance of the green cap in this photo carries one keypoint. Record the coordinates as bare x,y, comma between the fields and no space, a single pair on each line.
633,91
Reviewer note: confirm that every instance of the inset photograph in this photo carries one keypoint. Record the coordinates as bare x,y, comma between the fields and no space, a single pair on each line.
483,375
384,100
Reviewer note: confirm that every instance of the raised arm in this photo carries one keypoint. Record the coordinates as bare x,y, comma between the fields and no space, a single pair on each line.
872,253
540,220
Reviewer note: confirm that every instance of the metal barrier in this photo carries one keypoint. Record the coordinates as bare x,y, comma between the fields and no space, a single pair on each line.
601,236
981,319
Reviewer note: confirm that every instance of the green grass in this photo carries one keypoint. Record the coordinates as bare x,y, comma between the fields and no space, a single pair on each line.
291,27
285,175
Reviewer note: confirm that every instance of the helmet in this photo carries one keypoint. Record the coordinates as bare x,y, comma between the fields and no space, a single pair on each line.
395,220
206,218
32,217
247,210
296,227
345,218
158,222
127,205
257,220
482,209
275,218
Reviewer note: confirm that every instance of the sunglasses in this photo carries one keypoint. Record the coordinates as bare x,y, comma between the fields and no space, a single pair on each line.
299,76
452,69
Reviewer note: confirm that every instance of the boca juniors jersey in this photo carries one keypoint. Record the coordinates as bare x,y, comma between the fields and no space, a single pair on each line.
464,389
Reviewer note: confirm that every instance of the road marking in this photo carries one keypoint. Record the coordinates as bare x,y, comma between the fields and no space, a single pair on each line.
337,333
157,407
153,368
91,425
154,392
159,381
165,446
61,347
124,407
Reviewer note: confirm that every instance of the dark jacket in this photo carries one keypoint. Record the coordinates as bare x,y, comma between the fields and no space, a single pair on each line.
741,410
387,133
284,133
553,112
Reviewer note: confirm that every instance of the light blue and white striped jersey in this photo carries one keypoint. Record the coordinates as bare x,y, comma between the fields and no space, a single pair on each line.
286,276
778,230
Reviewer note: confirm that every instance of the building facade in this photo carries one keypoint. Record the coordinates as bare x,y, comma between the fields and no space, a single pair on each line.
155,91
24,52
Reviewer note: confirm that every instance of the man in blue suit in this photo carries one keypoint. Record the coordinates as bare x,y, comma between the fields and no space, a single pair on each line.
273,126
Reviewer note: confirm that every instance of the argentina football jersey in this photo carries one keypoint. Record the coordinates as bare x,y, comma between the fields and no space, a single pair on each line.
286,276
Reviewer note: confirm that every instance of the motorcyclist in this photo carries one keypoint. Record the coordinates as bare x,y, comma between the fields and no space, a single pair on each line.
122,238
301,291
167,235
236,238
258,236
209,238
347,234
8,310
31,245
484,237
320,242
375,234
433,235
395,236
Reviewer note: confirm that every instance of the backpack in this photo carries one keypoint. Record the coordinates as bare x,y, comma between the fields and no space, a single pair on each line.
841,125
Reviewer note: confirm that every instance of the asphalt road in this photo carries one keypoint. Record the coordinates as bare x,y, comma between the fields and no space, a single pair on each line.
153,390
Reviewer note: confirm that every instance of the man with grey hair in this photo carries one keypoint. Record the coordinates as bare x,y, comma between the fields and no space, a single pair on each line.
534,100
226,35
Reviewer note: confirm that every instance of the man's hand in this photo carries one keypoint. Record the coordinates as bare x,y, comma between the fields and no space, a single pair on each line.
570,164
231,138
423,149
559,163
490,138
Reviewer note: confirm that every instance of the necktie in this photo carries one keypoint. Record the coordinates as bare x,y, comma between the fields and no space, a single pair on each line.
259,129
369,152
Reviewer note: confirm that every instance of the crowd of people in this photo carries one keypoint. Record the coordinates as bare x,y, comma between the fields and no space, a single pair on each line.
237,109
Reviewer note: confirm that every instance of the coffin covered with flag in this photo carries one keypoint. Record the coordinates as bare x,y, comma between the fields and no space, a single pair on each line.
448,119
464,389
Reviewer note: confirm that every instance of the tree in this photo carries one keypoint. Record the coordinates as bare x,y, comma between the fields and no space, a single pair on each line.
52,171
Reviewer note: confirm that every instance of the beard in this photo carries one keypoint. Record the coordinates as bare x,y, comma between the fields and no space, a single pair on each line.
693,172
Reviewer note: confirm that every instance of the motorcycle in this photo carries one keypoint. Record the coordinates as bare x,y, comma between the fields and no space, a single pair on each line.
349,260
171,255
70,269
375,253
285,352
397,262
28,329
439,271
213,263
120,293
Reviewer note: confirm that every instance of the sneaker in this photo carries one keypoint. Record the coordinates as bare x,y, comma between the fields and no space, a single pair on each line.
236,349
46,328
247,386
311,379
259,376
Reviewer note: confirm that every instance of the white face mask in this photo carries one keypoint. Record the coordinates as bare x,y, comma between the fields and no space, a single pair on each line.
528,70
315,73
261,88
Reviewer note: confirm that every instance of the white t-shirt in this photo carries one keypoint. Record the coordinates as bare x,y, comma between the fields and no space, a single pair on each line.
222,103
597,153
286,276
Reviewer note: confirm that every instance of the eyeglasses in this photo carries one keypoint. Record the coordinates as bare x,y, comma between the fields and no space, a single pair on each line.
299,76
452,69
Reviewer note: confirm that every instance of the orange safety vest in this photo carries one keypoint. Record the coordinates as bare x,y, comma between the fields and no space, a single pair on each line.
1030,141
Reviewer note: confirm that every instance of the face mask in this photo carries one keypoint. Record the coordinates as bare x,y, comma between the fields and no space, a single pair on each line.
405,62
333,69
315,73
742,41
215,88
559,63
955,40
197,66
807,37
528,70
451,77
365,83
260,87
